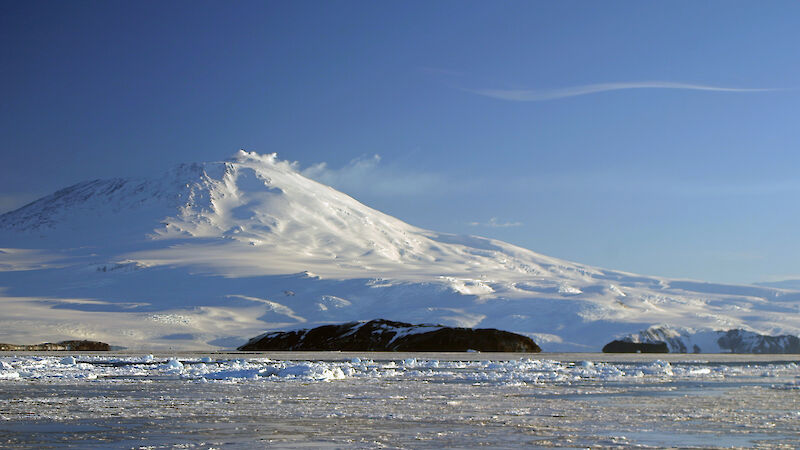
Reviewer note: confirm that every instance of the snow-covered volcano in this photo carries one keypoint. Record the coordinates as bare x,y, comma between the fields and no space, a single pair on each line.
208,255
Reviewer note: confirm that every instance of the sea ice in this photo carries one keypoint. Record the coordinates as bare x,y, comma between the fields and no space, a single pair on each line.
428,400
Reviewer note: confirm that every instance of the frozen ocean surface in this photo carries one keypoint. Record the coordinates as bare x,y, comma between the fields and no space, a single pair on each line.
242,400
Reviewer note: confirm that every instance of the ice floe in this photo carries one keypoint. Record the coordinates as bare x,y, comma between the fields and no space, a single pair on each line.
526,371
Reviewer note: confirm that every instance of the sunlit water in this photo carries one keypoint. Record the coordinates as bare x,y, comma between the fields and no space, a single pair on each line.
398,400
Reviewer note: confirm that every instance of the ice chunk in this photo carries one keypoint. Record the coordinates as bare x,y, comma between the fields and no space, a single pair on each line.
312,371
658,367
173,365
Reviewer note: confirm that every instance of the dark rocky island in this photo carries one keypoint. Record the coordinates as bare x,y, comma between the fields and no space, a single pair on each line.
383,335
635,347
64,346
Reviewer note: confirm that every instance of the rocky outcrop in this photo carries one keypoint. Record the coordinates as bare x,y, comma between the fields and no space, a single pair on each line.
687,340
66,346
635,347
383,335
741,341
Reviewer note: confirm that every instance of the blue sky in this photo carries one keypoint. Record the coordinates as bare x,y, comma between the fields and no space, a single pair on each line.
652,137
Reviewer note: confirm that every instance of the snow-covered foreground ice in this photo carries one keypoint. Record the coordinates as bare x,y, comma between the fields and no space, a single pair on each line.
391,400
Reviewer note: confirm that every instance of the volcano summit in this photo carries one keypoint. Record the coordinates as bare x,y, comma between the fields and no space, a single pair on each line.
208,255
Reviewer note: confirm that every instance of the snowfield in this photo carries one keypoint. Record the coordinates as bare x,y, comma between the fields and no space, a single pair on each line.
208,255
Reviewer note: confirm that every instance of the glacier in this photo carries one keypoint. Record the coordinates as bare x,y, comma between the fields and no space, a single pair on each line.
205,256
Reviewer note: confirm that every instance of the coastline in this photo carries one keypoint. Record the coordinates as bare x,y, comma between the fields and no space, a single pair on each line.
337,356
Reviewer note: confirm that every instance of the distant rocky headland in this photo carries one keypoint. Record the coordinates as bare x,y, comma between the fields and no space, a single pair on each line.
663,339
385,335
66,346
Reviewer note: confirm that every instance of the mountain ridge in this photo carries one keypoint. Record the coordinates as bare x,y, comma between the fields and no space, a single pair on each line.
211,248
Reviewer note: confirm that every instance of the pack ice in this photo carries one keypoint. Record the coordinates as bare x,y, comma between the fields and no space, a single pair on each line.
208,255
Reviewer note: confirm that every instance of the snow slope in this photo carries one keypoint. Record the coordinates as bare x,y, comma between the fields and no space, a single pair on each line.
209,255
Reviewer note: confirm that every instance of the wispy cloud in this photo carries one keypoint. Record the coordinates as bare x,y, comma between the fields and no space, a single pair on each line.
538,95
369,177
366,175
495,223
356,168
